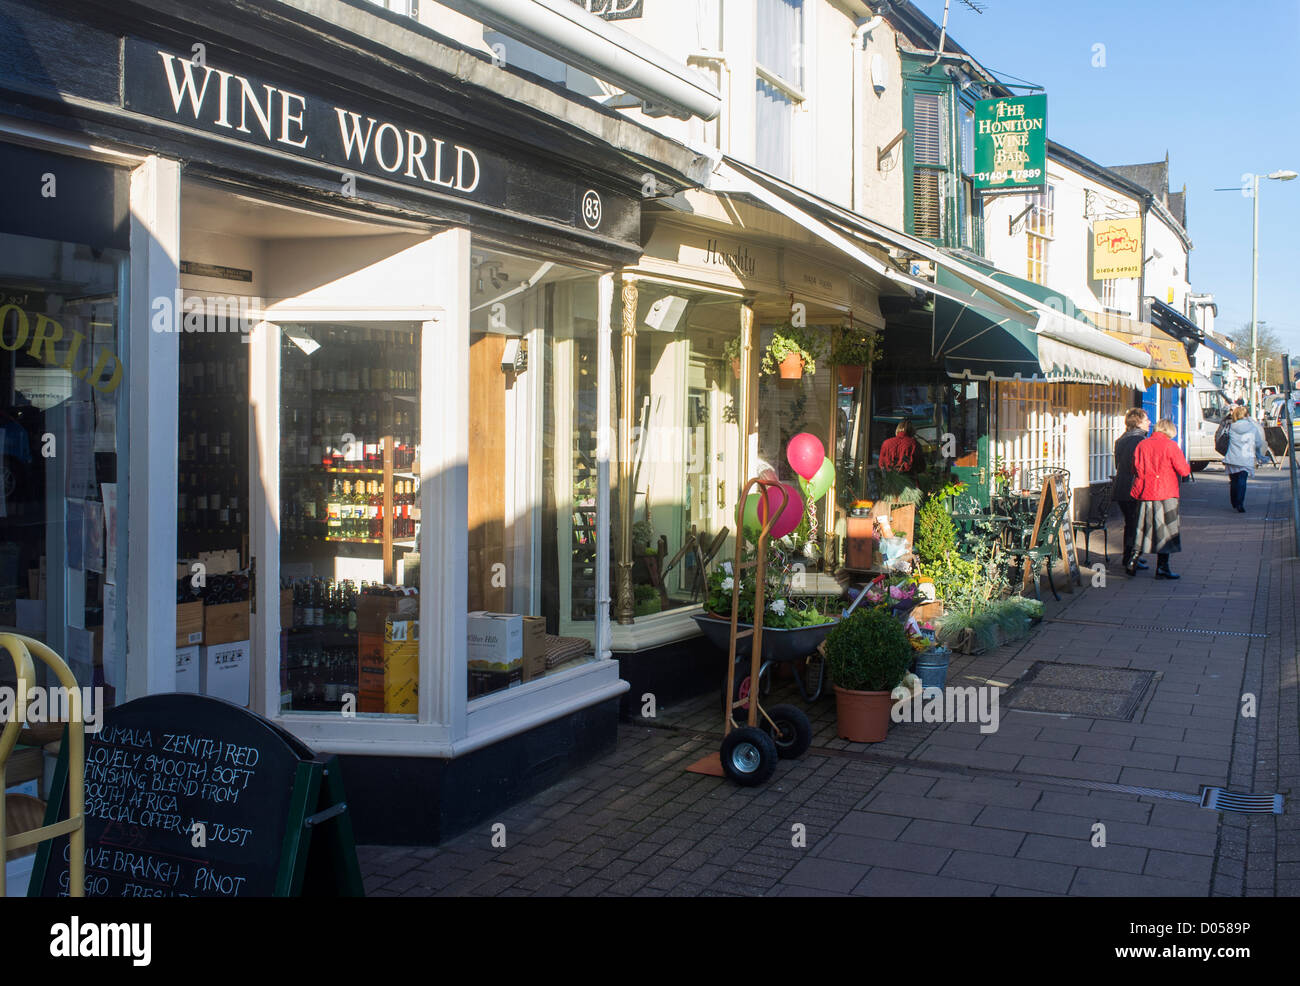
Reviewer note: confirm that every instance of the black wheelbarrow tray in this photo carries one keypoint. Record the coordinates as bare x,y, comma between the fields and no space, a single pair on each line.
779,645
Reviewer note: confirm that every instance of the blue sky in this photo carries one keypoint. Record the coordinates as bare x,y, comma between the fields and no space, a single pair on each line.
1213,84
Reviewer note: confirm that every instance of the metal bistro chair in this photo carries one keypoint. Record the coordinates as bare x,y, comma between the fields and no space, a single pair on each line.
1034,478
1102,501
1043,549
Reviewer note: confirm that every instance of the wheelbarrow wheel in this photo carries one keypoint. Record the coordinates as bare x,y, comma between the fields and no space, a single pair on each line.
793,732
748,756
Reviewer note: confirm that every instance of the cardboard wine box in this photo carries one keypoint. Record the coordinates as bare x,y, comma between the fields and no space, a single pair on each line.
187,669
370,672
534,647
401,666
225,670
495,641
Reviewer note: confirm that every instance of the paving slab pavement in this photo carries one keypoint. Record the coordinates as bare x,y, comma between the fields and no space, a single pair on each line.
1047,804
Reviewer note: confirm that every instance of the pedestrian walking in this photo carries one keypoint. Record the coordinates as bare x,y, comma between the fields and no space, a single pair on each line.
902,453
1137,426
1157,465
1247,448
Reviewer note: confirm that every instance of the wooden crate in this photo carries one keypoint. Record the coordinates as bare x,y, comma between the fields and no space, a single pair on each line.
189,624
226,623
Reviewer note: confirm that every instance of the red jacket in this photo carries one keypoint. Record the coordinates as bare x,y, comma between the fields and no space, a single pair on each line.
900,454
1157,464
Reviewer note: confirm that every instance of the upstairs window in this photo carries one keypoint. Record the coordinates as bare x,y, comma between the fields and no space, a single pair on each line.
779,55
929,179
1041,227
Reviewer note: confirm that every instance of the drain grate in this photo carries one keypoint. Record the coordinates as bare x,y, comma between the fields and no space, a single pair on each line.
1217,799
1079,690
1163,629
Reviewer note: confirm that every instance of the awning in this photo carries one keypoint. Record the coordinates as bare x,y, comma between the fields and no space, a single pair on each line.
1169,363
1009,327
1223,351
1168,357
1063,346
1173,322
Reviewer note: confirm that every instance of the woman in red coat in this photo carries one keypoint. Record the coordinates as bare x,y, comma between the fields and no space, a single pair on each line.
1157,465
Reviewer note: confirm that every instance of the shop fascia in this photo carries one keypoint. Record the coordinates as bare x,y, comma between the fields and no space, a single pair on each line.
216,100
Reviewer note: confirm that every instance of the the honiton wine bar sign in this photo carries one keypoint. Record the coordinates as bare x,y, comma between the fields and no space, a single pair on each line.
1011,143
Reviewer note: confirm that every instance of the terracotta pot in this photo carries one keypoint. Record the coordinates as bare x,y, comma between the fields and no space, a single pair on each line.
735,368
850,376
862,717
791,368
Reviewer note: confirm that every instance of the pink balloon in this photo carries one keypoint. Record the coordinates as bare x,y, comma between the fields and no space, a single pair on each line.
805,453
790,518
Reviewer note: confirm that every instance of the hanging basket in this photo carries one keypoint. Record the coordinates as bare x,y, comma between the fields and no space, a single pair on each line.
851,376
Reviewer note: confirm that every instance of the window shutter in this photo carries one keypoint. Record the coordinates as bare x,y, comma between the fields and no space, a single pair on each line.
925,203
927,129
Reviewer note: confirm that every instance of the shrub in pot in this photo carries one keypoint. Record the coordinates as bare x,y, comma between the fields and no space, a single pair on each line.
867,655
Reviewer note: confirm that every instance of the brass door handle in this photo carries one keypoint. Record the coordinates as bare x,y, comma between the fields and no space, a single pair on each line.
722,494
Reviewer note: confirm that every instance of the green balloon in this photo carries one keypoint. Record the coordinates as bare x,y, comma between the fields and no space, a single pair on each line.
748,515
822,480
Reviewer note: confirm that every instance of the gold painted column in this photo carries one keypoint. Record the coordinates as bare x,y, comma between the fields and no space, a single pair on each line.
748,415
625,601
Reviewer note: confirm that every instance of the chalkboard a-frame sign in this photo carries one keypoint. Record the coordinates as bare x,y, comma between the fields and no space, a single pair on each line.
192,796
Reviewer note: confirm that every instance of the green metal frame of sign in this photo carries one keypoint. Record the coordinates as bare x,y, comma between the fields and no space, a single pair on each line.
1025,135
318,857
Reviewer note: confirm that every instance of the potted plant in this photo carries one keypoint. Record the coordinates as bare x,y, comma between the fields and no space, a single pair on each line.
731,352
643,538
867,655
793,351
852,351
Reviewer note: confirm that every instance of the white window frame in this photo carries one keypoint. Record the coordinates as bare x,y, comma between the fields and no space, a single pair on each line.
445,724
1105,425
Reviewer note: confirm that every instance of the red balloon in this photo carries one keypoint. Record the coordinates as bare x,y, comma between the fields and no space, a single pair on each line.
791,516
805,453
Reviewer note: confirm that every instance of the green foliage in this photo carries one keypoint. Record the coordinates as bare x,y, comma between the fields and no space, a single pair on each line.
952,576
853,347
935,534
868,651
731,348
790,339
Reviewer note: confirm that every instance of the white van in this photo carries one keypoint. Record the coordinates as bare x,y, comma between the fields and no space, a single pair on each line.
1206,409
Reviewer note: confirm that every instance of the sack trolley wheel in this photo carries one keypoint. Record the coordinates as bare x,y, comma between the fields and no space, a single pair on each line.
790,730
749,755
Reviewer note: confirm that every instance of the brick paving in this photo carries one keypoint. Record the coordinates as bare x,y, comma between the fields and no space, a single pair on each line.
943,809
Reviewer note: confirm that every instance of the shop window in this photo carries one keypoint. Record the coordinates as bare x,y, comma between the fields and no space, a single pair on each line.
349,517
63,566
534,529
1030,432
1105,425
685,443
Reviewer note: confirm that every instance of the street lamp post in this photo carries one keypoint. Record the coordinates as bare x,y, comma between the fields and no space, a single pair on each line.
1254,287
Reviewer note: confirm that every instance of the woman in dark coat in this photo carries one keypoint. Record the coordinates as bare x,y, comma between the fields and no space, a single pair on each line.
1138,425
1157,466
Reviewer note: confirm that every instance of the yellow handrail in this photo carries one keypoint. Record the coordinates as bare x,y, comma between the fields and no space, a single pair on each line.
21,649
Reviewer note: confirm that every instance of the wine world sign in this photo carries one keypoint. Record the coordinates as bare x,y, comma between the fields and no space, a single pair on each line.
197,92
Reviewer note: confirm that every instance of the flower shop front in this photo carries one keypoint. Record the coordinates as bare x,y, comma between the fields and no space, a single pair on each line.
735,326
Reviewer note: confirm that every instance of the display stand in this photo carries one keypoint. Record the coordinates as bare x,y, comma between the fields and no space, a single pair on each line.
1054,492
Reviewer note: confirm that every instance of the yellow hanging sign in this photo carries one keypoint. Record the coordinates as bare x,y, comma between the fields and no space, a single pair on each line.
1116,248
